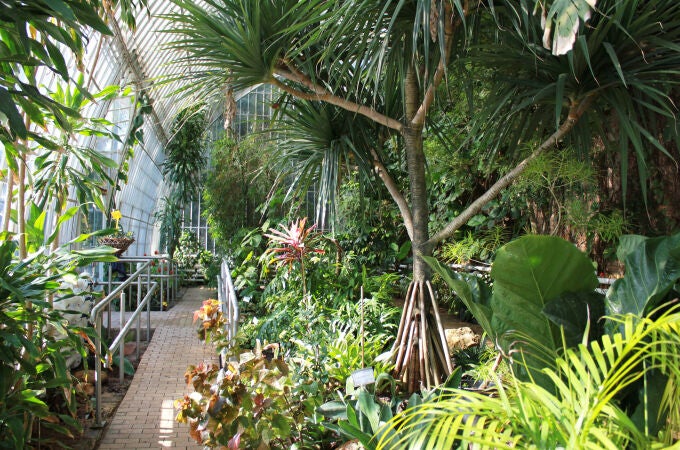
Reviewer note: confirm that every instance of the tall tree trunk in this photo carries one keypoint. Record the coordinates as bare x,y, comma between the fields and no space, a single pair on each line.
415,159
413,142
420,352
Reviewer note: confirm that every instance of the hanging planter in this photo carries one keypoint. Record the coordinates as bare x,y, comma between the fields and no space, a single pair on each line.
120,240
121,243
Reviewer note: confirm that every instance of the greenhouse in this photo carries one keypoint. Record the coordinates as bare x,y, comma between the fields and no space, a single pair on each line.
339,224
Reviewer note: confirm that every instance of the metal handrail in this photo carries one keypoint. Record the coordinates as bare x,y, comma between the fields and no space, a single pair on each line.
96,318
166,280
226,294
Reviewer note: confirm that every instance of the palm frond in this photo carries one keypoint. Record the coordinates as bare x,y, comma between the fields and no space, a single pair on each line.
583,412
318,145
625,61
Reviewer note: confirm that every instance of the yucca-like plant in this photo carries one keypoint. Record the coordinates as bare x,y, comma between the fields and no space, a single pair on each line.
581,413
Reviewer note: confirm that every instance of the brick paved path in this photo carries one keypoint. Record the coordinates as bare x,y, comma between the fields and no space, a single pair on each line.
146,417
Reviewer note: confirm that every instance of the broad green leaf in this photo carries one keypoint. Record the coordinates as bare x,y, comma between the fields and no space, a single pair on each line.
334,410
652,270
528,273
9,109
370,409
574,312
472,291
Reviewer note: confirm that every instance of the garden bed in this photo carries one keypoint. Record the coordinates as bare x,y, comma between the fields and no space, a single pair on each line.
113,392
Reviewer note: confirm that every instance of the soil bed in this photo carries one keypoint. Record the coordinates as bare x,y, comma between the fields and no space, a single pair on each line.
113,392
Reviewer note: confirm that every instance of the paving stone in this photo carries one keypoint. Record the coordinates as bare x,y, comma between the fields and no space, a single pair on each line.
145,418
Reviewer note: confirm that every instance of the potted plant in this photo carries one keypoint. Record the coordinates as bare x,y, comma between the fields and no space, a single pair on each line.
119,239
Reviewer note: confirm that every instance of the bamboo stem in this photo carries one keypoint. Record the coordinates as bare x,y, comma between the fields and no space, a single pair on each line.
9,199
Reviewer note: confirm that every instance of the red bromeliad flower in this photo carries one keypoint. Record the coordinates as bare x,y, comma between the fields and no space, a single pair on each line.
295,242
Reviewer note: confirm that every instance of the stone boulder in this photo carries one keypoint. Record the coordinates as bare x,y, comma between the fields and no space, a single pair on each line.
461,338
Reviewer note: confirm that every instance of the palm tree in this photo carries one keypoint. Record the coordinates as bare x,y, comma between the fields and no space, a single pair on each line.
583,411
385,60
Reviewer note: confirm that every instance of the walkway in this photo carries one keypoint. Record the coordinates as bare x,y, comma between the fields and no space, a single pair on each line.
146,417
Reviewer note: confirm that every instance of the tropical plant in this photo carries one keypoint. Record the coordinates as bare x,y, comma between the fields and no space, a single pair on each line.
258,402
187,251
240,172
361,416
185,159
36,340
67,165
583,411
608,77
392,80
168,216
543,287
244,258
363,413
59,30
248,407
647,289
652,275
293,244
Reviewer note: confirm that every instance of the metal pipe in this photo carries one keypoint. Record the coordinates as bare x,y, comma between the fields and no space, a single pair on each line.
161,283
121,353
97,373
139,319
148,305
96,318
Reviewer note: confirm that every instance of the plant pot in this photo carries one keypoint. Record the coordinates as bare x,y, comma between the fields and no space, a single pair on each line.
119,243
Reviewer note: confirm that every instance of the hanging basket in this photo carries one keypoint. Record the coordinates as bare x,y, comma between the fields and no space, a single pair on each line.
119,243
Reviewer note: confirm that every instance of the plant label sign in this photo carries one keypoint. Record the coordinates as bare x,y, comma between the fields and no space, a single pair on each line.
363,377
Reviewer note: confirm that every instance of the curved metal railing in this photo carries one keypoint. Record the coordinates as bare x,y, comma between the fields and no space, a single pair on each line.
226,294
165,281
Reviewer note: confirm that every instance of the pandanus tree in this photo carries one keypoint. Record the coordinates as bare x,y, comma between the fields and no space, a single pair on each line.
381,63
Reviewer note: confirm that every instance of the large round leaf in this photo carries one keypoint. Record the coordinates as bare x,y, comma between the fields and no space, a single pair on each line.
528,273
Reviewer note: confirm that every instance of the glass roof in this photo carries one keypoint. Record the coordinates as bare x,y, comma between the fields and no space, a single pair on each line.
138,59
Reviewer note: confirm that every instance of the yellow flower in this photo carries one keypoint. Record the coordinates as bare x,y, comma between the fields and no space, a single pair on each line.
116,215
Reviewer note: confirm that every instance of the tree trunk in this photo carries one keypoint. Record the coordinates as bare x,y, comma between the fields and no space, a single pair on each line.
413,141
420,352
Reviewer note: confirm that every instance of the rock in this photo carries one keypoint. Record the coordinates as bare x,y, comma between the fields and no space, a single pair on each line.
354,444
460,338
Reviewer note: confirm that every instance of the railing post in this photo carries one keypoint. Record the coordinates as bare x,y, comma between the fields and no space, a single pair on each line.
121,348
175,278
98,370
108,321
139,319
148,305
161,283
